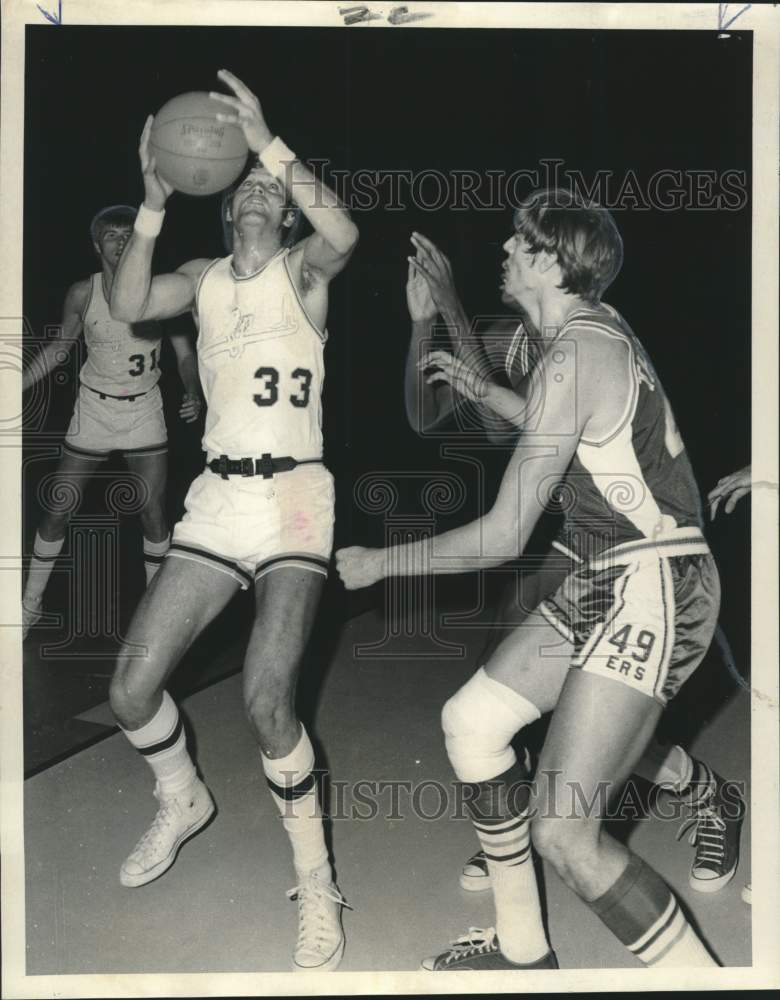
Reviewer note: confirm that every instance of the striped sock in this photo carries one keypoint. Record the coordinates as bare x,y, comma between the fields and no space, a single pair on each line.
154,553
499,813
294,789
163,743
643,914
41,565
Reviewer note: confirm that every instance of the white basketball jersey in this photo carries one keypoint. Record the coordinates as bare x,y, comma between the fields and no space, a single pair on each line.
120,361
260,360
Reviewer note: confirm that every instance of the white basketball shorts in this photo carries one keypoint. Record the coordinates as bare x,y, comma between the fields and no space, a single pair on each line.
248,526
102,425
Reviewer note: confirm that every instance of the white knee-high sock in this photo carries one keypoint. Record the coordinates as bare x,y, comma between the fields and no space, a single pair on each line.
294,789
164,746
41,565
479,722
504,833
154,553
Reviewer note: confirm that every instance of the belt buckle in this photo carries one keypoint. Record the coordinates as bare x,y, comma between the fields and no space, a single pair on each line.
265,466
222,466
247,467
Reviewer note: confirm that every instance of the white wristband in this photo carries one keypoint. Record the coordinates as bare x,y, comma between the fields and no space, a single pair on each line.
275,158
148,222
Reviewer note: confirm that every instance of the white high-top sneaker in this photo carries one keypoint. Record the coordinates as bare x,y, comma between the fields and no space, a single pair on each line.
179,817
320,935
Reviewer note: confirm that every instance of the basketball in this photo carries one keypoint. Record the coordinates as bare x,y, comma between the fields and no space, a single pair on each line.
194,152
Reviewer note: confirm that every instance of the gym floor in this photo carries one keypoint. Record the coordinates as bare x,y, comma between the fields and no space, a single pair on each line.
371,721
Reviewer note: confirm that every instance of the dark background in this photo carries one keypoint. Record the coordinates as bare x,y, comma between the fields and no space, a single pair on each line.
416,99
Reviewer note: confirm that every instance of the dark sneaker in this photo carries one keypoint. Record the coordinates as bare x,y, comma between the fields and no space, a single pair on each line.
479,951
715,825
474,876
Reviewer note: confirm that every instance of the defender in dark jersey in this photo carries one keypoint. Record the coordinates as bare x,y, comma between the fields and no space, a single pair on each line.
118,408
633,620
508,350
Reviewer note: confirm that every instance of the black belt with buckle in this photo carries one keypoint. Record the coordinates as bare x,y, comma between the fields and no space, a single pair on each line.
107,395
264,466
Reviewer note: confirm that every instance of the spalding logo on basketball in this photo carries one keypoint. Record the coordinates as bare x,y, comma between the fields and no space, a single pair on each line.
195,152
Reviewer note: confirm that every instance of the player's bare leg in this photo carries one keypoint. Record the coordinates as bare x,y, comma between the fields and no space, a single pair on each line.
72,477
153,470
183,598
599,730
286,606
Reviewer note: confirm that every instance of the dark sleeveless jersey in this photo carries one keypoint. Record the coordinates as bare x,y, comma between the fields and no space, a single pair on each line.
636,483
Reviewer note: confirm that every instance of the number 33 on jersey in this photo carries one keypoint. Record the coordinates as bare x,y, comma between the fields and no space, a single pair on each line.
260,359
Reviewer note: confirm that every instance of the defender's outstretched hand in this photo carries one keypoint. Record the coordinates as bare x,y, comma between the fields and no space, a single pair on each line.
467,380
359,567
732,488
156,189
437,271
246,111
422,308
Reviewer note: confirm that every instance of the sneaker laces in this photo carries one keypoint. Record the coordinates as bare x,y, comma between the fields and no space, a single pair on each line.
708,833
167,814
312,915
476,941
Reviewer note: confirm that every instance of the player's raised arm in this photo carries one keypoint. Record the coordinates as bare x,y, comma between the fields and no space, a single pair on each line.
427,402
57,349
135,295
432,264
327,250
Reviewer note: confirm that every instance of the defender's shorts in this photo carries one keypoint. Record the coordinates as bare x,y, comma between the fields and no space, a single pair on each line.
133,427
646,623
247,527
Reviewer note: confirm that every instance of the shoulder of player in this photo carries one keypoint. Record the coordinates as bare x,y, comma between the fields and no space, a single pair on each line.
600,349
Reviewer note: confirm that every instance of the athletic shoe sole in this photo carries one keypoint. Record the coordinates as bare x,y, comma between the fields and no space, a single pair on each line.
712,884
328,966
134,881
475,883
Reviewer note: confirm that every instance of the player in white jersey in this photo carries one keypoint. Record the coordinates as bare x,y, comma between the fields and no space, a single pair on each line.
613,645
118,408
262,511
508,352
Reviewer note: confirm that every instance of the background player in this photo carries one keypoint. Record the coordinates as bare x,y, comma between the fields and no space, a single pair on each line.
118,408
261,512
634,618
507,353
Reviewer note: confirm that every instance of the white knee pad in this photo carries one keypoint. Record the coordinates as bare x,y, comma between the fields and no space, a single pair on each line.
479,722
